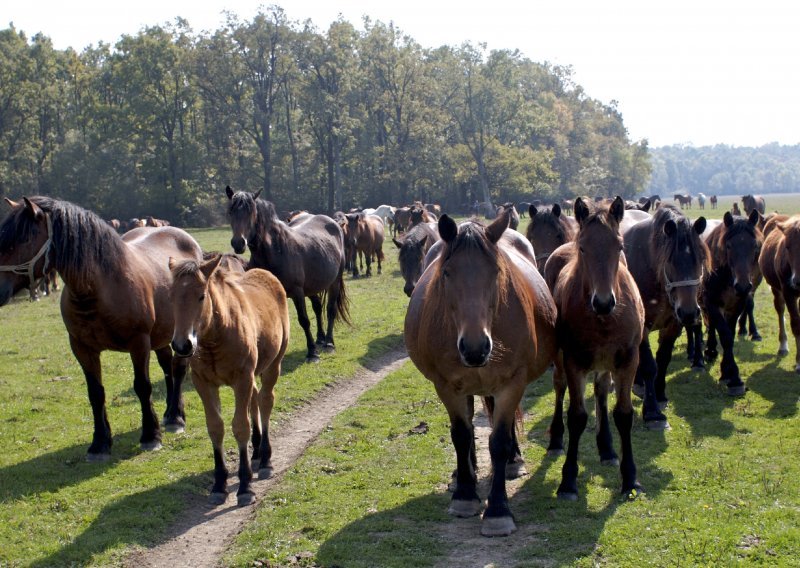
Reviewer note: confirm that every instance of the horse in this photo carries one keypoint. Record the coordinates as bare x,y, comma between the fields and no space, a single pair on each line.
701,200
632,217
307,257
434,208
780,264
402,219
638,206
751,202
514,224
566,205
735,209
734,246
116,297
713,200
684,199
420,215
47,284
522,208
413,249
599,328
232,326
481,322
365,233
667,259
548,230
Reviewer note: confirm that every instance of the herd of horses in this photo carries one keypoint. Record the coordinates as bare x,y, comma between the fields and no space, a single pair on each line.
490,310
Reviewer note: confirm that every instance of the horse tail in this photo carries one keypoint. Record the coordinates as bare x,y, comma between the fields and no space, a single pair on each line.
342,302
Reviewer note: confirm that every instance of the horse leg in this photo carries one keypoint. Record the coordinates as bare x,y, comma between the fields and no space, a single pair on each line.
174,372
623,419
368,260
465,501
790,298
556,445
302,315
644,383
256,428
576,424
209,396
780,305
666,343
380,259
316,305
728,367
751,320
605,446
140,356
89,360
266,400
243,391
711,342
333,297
695,333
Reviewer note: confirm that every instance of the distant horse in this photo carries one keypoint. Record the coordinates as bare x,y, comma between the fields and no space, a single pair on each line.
638,206
48,283
780,264
116,298
153,222
434,208
481,322
566,205
419,215
115,224
522,208
713,200
599,329
402,219
366,238
751,202
514,223
701,200
233,325
735,209
548,230
667,259
308,258
734,246
684,199
413,249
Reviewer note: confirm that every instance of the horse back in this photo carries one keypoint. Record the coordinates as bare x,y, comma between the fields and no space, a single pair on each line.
312,255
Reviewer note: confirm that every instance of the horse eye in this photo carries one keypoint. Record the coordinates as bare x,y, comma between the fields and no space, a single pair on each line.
446,274
202,297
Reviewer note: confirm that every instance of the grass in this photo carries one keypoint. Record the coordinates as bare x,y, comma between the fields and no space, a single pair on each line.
722,485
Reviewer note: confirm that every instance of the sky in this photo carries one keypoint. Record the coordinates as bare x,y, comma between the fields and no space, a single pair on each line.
689,72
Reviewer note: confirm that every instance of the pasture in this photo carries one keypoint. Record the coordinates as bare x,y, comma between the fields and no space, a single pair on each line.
721,486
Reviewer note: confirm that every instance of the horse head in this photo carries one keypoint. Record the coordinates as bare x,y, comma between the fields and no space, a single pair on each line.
791,235
190,301
25,239
684,257
741,242
243,214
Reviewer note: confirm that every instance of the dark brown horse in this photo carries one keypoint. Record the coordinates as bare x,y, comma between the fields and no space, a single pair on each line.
713,200
750,202
514,224
734,246
780,264
684,199
413,248
420,215
599,329
116,297
481,322
667,259
308,258
234,326
365,235
548,230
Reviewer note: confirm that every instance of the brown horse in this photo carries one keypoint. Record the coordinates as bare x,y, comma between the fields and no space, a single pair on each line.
402,219
548,230
780,264
233,326
514,224
481,322
734,246
116,298
713,200
308,258
684,199
667,259
599,329
413,248
420,215
750,202
365,236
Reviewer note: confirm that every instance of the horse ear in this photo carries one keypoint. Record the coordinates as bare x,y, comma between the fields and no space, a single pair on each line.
398,244
34,209
754,218
556,210
617,209
670,228
728,219
700,225
581,210
207,268
448,229
532,211
11,204
256,194
228,191
499,226
646,206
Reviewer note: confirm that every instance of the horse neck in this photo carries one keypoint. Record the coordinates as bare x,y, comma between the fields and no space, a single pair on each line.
214,315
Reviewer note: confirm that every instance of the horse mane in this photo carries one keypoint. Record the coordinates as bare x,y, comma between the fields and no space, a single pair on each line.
664,248
83,244
546,217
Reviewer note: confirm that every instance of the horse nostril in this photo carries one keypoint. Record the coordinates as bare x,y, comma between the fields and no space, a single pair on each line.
408,289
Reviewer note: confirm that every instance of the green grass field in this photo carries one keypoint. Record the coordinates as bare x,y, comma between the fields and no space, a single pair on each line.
722,485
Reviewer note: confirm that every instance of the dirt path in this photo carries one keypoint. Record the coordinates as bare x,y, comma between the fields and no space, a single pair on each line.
204,532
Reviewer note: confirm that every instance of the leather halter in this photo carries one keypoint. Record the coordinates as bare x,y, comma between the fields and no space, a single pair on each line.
680,283
26,268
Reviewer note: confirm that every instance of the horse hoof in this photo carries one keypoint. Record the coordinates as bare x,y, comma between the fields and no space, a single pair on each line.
567,496
612,461
150,446
515,470
756,337
555,452
312,359
329,348
175,428
217,498
464,509
98,457
632,494
265,472
782,352
497,526
736,390
657,424
638,390
245,499
797,368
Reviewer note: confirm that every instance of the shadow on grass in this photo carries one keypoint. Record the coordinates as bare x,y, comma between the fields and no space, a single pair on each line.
379,347
127,522
779,386
56,470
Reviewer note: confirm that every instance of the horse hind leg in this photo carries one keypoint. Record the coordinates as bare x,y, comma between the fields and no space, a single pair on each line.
302,316
174,369
316,305
576,424
266,400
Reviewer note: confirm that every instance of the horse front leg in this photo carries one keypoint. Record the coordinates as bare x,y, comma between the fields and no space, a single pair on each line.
243,390
556,445
266,400
644,386
623,419
209,396
790,299
779,302
728,368
302,315
140,357
174,368
465,501
694,334
666,343
576,424
89,360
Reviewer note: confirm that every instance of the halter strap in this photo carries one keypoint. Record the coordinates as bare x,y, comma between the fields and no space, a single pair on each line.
26,268
681,283
543,256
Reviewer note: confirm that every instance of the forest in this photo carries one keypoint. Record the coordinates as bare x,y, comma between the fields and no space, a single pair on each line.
159,123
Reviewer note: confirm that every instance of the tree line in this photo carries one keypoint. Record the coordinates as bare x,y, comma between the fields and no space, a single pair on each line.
162,121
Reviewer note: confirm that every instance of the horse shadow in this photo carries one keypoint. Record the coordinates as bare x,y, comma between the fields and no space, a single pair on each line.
53,471
113,529
379,347
779,386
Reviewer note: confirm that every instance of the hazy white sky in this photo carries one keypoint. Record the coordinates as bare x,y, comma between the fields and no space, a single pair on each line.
696,72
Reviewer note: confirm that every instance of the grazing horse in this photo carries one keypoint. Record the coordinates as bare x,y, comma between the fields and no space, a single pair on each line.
780,264
713,200
599,329
734,246
413,248
116,297
667,259
481,322
233,326
684,199
548,230
751,202
365,235
308,258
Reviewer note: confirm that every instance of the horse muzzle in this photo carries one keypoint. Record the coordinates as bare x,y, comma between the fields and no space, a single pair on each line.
475,354
688,317
742,288
184,347
239,244
603,306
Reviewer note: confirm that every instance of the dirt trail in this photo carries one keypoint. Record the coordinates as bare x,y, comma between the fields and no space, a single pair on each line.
204,532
